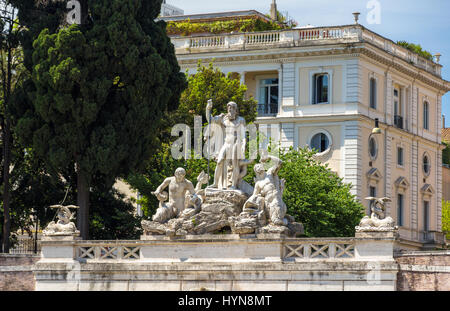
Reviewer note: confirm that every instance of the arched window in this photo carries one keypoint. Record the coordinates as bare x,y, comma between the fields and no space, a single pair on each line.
373,148
426,115
426,165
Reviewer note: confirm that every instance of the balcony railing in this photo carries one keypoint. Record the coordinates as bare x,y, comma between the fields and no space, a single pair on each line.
267,110
433,237
299,37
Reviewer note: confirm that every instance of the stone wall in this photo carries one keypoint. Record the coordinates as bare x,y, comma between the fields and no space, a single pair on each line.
412,271
219,262
16,272
424,271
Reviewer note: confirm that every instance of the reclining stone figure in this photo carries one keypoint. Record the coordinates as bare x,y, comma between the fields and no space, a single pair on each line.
63,226
377,219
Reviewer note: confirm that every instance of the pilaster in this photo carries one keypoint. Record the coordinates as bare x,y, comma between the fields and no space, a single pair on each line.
353,160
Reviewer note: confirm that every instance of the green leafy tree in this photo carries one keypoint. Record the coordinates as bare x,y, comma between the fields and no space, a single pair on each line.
186,28
317,197
211,83
446,153
284,20
99,91
11,76
446,218
117,221
33,191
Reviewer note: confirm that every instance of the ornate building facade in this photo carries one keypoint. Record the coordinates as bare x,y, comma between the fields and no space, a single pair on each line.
324,87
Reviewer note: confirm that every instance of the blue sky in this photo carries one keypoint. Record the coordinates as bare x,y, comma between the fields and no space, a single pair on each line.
422,22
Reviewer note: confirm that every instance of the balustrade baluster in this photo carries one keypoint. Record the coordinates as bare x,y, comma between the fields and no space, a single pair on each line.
97,252
120,252
307,251
332,250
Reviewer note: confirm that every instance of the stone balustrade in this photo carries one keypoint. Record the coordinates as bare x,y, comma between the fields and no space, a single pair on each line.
107,251
319,249
219,262
270,246
291,249
299,37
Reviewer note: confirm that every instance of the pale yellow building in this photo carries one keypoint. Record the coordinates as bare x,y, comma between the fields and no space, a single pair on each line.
445,133
324,87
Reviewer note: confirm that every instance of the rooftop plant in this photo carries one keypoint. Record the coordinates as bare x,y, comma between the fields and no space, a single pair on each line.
186,27
416,48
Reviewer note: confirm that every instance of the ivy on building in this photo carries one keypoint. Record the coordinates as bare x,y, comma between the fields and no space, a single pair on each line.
187,27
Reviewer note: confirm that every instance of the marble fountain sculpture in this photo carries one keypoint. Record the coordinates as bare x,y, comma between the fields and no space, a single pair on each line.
377,221
63,226
229,203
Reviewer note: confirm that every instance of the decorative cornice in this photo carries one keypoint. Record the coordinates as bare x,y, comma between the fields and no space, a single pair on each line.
401,182
403,67
427,189
343,49
374,174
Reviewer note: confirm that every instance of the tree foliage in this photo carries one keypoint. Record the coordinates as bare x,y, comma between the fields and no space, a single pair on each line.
211,83
113,217
317,197
446,153
99,91
416,48
446,218
11,76
187,28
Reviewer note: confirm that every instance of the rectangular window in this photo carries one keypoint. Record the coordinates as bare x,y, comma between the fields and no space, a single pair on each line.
398,114
321,88
400,156
268,97
425,115
400,209
426,210
373,93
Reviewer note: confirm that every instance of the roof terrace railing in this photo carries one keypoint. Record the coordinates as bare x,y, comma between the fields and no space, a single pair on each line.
299,37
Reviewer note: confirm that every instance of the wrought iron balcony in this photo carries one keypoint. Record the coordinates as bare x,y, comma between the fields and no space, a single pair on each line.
433,237
267,109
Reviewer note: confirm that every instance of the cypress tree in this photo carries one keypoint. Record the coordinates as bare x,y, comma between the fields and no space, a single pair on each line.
98,90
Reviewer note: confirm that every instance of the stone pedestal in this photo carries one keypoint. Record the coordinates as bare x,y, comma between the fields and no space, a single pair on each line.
58,246
375,244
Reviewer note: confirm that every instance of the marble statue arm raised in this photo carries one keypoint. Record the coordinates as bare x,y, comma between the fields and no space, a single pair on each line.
277,163
214,119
